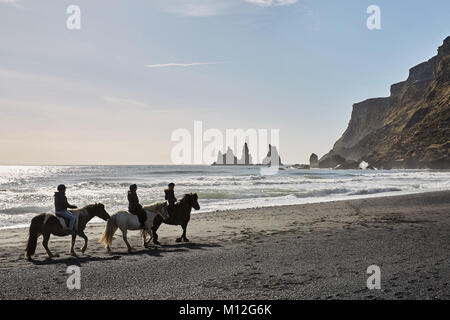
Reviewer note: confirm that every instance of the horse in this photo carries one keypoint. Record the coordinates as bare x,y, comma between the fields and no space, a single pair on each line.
180,214
46,224
124,221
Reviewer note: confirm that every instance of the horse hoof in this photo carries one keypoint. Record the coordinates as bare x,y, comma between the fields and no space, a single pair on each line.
73,254
186,240
178,240
157,243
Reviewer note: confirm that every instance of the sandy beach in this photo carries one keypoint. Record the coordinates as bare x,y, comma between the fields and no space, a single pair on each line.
312,251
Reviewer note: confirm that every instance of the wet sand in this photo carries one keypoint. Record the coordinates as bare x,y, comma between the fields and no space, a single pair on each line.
313,251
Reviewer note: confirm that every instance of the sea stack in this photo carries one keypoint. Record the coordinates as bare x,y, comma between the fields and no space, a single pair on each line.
314,161
272,158
246,158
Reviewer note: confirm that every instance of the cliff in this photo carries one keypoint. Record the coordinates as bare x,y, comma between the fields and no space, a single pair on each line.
408,129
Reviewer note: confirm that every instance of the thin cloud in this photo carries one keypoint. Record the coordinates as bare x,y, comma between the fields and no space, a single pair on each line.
200,8
14,3
165,65
209,8
272,3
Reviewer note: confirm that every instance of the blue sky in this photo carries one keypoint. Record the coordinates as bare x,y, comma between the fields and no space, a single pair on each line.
89,96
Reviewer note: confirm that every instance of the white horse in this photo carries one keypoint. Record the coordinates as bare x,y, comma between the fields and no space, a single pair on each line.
124,220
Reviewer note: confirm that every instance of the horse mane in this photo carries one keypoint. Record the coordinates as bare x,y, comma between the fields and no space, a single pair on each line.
94,206
155,205
186,197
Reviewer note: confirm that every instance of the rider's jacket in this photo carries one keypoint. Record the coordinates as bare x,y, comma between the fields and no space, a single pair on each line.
170,197
133,201
61,203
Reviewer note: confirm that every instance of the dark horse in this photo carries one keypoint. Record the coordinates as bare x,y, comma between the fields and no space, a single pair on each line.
180,214
47,224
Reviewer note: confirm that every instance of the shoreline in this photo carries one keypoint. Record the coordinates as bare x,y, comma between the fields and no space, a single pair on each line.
309,251
319,200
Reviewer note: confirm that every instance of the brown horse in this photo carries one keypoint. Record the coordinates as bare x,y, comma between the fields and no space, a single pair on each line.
47,224
180,214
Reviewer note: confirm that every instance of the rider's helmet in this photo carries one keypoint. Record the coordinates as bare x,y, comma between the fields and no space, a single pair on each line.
171,184
61,188
133,187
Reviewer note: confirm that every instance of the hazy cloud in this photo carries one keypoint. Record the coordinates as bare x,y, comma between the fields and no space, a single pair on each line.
15,3
206,8
272,3
165,65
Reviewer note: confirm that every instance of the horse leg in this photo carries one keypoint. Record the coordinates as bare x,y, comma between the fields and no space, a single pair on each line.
72,251
83,235
180,238
156,223
144,235
183,236
124,235
45,244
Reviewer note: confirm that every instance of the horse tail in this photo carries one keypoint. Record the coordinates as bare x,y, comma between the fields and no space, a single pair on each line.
110,229
33,235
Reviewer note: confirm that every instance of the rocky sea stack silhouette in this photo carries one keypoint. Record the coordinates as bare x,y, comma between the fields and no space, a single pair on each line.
229,159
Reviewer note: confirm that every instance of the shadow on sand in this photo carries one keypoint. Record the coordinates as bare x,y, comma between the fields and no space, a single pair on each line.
154,251
77,261
191,245
160,250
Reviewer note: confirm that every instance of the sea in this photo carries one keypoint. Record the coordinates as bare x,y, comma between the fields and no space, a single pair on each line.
28,190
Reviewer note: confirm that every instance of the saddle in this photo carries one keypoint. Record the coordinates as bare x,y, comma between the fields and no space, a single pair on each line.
65,221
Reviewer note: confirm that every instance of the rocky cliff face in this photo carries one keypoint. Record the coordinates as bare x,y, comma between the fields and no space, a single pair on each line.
408,129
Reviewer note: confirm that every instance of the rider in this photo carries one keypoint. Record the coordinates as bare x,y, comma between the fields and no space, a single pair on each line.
61,206
135,207
170,195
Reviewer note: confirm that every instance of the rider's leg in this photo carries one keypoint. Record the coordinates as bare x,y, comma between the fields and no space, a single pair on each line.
142,218
141,215
66,214
72,221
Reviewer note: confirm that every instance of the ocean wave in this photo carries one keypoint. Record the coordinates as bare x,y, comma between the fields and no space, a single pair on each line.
374,190
30,189
322,192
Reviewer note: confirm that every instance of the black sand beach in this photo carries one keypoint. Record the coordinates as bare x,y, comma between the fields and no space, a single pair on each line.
314,251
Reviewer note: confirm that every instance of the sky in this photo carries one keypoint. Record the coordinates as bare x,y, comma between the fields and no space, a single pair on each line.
114,91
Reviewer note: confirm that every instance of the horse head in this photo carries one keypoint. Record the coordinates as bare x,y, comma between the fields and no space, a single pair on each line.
98,210
192,199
